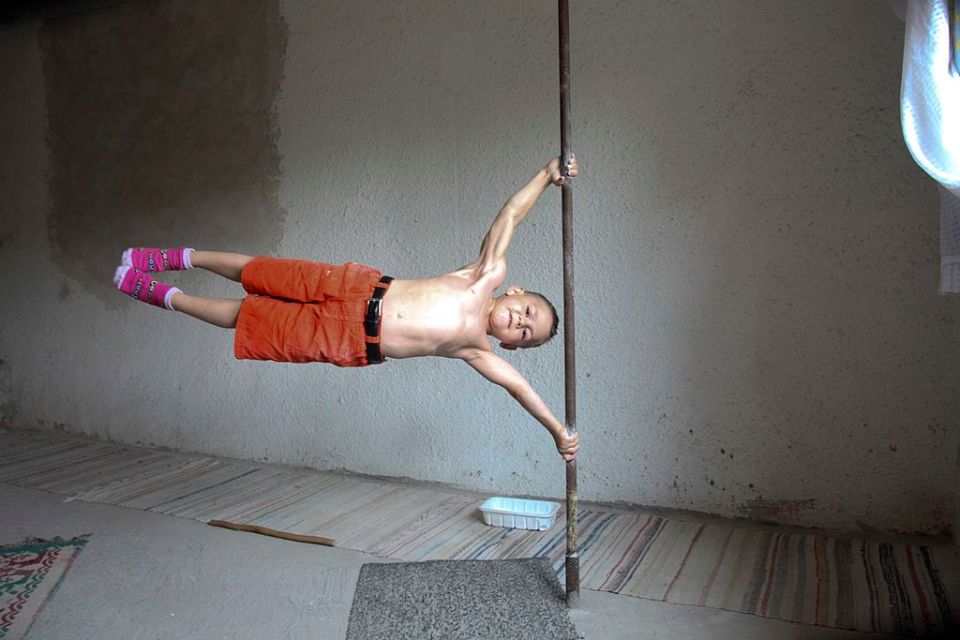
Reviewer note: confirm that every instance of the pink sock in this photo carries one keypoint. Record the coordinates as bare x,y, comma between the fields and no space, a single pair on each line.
144,287
152,259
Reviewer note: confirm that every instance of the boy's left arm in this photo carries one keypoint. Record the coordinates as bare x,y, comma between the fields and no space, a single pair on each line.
500,372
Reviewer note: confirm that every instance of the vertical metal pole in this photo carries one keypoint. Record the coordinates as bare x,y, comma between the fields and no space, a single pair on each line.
569,345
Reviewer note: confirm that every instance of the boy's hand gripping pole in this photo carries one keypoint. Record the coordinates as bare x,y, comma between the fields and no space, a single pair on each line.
569,348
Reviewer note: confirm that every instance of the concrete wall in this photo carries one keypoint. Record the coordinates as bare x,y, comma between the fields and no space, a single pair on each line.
759,333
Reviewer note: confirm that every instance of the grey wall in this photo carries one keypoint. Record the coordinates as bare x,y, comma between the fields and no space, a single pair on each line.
759,333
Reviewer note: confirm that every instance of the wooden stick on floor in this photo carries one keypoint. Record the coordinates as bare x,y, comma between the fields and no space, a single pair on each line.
252,528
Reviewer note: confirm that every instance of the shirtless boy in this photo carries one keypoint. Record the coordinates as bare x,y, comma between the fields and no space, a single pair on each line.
352,315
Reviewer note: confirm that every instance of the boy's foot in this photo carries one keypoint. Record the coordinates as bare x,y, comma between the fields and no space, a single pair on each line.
151,259
144,287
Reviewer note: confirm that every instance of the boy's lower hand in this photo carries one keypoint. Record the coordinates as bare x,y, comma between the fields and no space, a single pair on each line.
555,169
567,444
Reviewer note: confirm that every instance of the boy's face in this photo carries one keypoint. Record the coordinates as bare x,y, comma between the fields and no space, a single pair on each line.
520,319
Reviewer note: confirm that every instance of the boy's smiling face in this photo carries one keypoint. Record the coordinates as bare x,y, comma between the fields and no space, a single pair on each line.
519,319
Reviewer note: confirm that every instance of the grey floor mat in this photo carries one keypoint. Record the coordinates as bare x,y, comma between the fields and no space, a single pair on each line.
459,600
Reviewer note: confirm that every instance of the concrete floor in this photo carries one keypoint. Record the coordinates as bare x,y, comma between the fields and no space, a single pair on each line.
149,576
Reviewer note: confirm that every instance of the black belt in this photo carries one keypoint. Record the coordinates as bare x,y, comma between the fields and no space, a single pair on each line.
371,322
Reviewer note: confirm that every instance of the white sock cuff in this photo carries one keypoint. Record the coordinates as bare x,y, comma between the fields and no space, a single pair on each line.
120,274
168,299
186,258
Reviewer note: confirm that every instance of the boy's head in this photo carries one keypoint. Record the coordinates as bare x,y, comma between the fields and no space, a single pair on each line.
521,318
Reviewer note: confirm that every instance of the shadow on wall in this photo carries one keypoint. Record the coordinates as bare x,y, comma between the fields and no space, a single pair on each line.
161,131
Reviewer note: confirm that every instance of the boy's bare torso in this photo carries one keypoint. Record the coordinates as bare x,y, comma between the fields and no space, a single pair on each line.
440,316
455,315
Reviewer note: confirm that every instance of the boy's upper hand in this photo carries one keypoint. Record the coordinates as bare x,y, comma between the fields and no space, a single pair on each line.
555,169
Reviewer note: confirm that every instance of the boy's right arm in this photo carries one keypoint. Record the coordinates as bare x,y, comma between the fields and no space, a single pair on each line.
493,251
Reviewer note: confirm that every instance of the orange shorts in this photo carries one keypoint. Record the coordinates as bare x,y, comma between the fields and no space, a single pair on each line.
301,311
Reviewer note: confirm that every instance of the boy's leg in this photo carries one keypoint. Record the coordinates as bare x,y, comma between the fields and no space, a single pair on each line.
221,312
145,287
308,281
228,265
152,260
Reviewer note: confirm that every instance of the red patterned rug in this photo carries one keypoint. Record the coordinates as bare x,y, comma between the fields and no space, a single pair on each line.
30,573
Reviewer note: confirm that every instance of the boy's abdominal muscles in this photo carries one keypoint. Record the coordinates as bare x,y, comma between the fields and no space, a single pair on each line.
408,333
429,317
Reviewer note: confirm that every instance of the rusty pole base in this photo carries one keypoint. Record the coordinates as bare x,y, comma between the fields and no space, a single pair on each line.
573,581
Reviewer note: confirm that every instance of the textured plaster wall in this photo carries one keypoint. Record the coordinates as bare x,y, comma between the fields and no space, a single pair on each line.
759,333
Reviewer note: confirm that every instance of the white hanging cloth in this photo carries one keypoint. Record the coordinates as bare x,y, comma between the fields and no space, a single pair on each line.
930,91
930,114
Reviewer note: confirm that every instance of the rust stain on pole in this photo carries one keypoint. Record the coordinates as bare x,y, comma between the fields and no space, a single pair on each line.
569,346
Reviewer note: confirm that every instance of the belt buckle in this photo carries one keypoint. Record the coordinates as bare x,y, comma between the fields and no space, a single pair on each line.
371,323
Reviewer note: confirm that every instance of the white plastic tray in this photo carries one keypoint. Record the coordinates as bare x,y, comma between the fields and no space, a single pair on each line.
519,513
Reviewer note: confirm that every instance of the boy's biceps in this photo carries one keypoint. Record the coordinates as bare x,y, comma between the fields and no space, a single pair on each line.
498,371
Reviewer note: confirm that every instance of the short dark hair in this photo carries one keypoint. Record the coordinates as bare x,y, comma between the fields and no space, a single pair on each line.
556,319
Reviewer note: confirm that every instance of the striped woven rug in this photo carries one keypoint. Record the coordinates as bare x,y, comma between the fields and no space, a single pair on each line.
810,578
